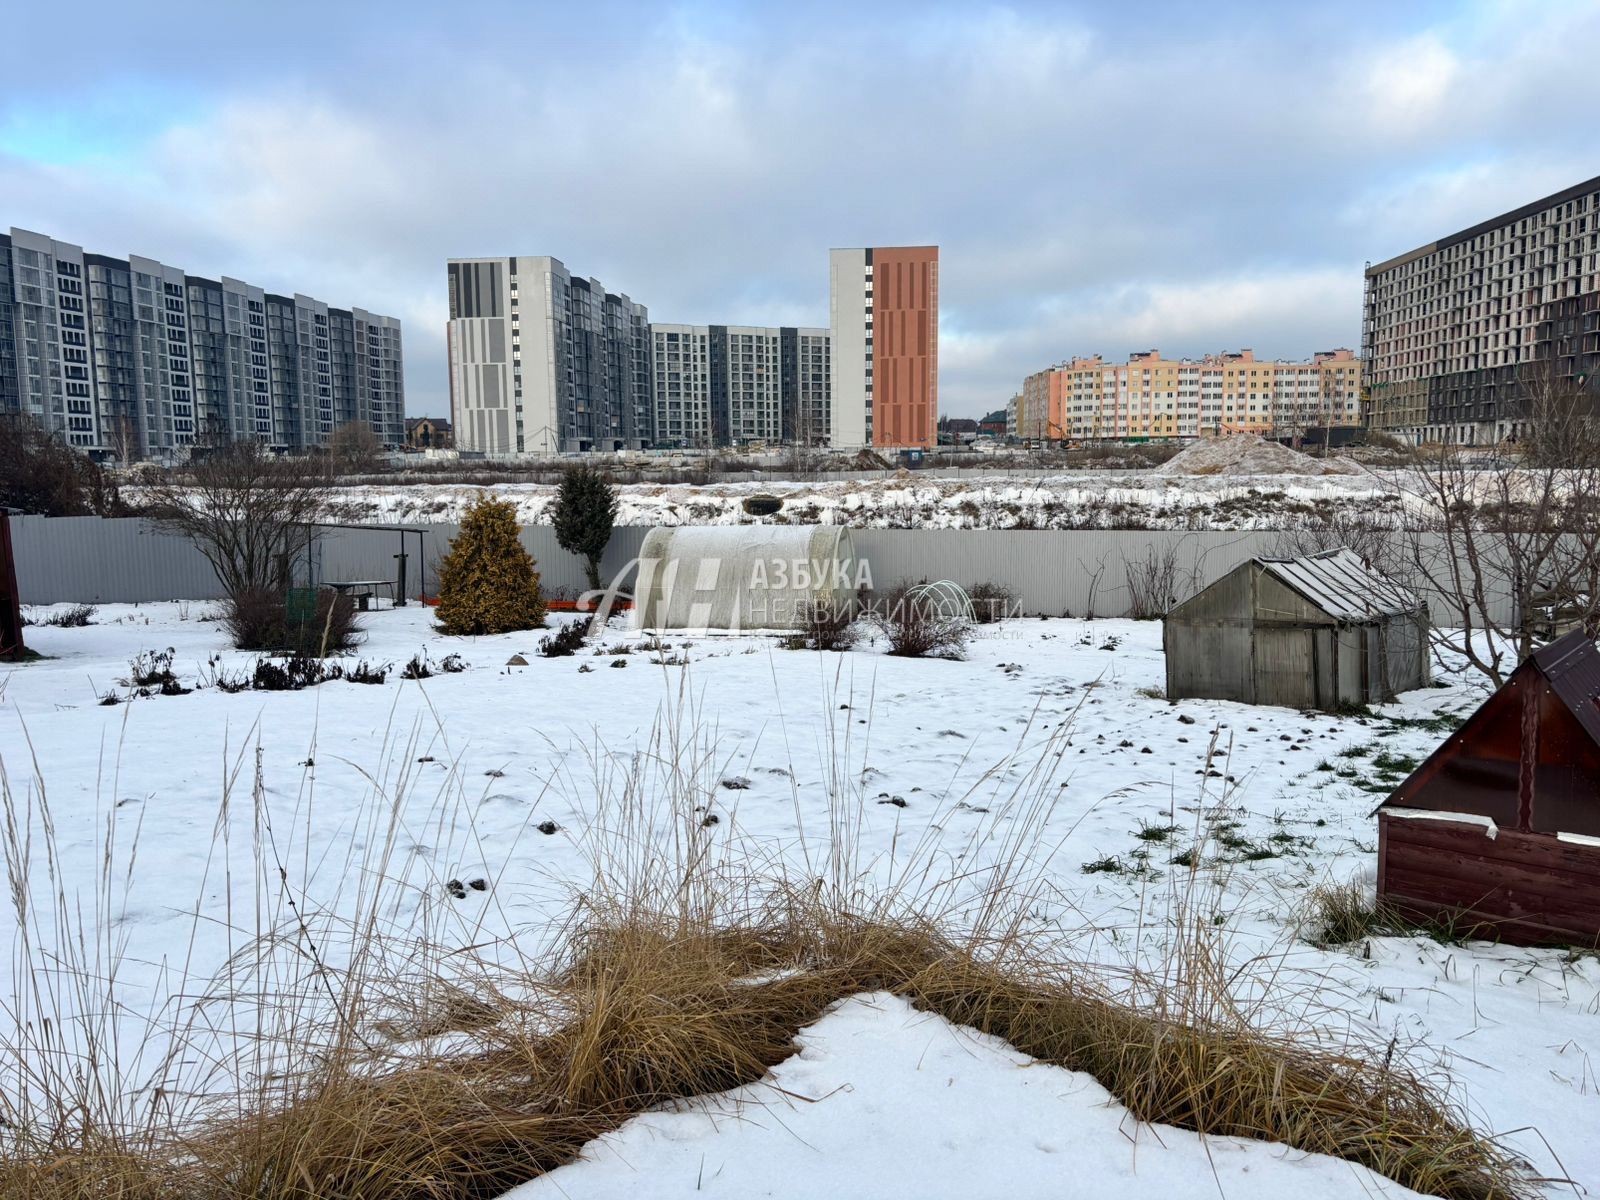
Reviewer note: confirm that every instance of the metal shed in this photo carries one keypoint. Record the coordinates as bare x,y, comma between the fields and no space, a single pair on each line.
1500,827
1322,631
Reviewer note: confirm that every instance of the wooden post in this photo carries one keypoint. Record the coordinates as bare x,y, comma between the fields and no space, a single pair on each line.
10,601
1529,764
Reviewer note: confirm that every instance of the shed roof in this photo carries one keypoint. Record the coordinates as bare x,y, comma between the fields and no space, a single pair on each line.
1343,586
1572,665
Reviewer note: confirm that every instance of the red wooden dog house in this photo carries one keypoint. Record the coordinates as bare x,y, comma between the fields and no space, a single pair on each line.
1500,828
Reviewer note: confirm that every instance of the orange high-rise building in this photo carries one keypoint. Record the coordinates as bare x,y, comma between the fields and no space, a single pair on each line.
884,322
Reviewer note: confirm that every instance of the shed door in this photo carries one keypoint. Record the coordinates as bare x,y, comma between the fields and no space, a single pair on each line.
1285,667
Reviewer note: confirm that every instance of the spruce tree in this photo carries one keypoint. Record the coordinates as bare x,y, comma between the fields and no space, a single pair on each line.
585,510
487,583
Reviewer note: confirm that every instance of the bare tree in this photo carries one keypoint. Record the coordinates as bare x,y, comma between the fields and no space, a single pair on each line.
1561,417
1371,535
354,448
1514,554
250,513
40,473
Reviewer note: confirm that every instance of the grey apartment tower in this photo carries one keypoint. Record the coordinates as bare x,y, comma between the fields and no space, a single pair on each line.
131,359
545,362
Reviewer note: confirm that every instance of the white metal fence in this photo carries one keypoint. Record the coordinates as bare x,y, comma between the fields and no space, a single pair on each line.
1053,572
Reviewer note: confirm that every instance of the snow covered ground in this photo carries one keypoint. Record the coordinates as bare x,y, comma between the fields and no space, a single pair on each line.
475,764
1076,500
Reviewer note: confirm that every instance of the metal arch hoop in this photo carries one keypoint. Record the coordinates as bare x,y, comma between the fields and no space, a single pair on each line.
945,599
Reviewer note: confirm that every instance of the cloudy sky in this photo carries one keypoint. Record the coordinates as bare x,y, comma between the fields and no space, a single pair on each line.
1100,178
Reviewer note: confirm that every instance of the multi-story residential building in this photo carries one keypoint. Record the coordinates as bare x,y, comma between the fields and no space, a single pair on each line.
134,359
10,378
884,321
1454,331
1152,397
542,361
738,385
1013,410
746,385
682,386
807,370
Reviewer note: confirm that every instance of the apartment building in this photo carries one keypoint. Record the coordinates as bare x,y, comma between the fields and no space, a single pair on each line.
1456,331
682,386
542,362
807,379
1150,397
884,326
739,385
131,358
545,362
746,385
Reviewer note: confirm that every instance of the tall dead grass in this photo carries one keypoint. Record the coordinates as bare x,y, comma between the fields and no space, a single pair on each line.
386,1052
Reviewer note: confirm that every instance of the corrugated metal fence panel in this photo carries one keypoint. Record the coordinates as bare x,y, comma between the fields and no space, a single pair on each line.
125,560
1057,572
1076,572
95,560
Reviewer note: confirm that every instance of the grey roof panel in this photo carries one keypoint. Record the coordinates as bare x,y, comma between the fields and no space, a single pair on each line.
1343,586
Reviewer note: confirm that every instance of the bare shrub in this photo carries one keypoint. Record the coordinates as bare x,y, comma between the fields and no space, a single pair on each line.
258,618
1152,583
992,602
292,674
370,673
825,625
919,624
75,617
354,447
565,641
1370,536
151,669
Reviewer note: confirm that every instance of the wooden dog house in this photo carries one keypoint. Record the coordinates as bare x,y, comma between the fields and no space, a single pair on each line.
1500,827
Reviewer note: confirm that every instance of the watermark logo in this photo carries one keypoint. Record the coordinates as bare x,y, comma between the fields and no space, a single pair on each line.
714,594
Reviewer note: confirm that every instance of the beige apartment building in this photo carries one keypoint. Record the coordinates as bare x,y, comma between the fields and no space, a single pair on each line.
1151,398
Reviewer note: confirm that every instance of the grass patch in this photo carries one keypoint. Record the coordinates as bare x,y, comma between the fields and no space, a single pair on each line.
1108,864
1155,833
1337,914
1395,764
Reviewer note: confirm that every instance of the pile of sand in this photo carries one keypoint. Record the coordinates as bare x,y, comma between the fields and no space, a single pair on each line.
1247,454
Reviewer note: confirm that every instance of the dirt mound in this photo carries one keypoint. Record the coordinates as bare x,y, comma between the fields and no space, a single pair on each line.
1247,454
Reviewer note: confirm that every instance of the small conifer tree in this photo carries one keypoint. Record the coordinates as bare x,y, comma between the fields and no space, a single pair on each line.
584,512
487,583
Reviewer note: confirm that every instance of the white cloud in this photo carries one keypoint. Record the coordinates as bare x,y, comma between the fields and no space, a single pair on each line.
1409,86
